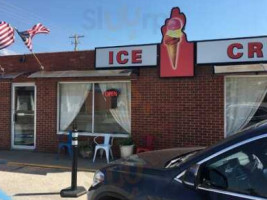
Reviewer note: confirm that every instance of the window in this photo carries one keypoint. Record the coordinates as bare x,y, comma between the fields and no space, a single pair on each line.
95,107
245,102
242,170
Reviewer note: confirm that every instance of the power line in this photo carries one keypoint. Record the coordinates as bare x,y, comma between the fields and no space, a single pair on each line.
76,38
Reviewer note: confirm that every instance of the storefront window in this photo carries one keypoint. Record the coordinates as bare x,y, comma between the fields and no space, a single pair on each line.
95,107
245,102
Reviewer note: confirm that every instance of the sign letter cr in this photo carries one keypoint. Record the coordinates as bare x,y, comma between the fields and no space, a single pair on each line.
231,48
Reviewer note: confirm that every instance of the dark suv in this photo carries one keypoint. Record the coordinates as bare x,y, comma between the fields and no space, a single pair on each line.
234,169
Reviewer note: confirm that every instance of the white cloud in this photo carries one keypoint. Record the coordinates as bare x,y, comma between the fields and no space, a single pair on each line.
6,52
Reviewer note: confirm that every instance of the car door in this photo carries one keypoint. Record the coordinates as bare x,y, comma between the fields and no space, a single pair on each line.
239,173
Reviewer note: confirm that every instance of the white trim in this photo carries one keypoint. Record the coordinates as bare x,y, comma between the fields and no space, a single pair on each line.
96,134
222,69
224,107
58,108
14,85
119,81
35,114
12,115
188,183
247,75
177,178
23,84
231,194
93,107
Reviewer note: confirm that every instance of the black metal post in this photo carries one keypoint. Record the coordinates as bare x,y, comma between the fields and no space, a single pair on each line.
74,160
74,190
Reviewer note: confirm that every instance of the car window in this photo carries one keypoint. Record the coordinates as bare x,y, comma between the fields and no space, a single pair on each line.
240,156
241,170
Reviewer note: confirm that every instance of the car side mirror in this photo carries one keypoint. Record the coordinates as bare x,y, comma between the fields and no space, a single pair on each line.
191,176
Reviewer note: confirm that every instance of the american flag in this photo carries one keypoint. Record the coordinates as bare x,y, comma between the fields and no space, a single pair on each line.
7,35
38,28
27,36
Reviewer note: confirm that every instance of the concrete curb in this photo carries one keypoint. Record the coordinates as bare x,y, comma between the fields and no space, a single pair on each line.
49,166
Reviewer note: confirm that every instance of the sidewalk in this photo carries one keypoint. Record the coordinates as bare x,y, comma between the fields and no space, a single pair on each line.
48,160
36,183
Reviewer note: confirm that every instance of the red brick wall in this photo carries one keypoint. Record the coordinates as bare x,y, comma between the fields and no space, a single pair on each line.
46,118
80,60
5,116
177,111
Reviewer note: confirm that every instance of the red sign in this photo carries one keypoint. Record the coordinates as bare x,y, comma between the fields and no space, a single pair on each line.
111,93
176,53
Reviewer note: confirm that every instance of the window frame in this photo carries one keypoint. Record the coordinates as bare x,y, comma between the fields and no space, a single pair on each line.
233,76
93,107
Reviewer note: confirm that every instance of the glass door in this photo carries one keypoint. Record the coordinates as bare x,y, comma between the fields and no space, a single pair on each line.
23,116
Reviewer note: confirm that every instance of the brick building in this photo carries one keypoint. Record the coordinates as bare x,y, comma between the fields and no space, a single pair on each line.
183,93
179,112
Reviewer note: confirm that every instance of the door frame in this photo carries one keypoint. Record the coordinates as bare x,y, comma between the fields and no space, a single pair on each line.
14,85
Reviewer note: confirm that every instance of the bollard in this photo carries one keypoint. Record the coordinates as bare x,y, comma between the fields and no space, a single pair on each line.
74,190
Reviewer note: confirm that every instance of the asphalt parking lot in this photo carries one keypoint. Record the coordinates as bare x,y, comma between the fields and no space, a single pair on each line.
36,183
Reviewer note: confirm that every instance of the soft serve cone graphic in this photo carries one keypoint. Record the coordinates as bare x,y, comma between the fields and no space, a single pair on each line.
172,39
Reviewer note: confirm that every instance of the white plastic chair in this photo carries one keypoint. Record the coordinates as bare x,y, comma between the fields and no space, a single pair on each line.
106,146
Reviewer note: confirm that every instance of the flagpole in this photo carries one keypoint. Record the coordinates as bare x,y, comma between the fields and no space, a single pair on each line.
2,71
39,28
41,66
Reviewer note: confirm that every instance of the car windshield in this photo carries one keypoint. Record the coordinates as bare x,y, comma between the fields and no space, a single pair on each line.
176,162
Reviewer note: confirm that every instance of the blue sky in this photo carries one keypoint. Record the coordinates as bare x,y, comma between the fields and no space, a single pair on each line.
121,22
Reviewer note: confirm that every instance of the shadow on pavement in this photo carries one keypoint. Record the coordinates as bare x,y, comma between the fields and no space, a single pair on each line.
28,169
32,162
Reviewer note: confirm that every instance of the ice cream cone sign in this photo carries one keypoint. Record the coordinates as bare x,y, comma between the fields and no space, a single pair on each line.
172,38
177,54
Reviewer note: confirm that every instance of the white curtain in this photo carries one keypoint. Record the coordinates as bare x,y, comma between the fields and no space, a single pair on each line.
32,102
18,103
72,98
121,114
244,95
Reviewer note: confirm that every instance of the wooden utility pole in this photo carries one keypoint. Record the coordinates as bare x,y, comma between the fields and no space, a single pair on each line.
76,38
